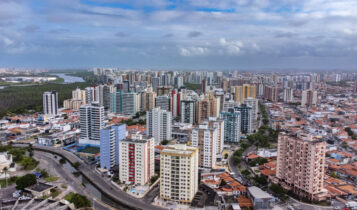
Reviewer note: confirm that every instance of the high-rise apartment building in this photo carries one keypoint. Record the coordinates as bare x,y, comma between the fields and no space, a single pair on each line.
109,145
72,104
148,100
232,125
176,102
158,124
163,102
188,111
288,95
79,94
271,93
129,103
243,92
179,173
245,120
309,98
91,94
91,122
206,108
219,125
301,164
136,160
205,138
163,90
155,83
50,103
254,104
178,82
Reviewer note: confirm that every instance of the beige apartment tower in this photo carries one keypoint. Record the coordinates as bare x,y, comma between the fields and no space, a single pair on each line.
300,164
179,173
243,92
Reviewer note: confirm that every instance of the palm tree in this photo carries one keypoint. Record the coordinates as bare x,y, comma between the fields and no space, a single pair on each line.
4,171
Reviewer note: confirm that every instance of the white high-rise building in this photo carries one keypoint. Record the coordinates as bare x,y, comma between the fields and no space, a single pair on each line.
205,138
90,95
179,173
253,103
288,95
91,121
50,103
136,161
159,125
219,124
79,94
309,97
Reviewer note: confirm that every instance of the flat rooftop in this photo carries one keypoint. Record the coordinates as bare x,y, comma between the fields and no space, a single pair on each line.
39,187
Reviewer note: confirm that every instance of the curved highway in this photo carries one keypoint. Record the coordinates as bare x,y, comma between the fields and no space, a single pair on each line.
115,194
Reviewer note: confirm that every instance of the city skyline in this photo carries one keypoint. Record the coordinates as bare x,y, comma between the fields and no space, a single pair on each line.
257,35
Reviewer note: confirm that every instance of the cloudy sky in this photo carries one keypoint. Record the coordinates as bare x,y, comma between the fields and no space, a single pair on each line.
179,34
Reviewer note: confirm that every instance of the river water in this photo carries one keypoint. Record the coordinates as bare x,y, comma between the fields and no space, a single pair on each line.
69,78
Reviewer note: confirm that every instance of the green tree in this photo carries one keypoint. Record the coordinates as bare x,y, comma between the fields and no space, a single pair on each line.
25,181
279,191
76,165
165,142
236,159
29,163
226,156
245,173
4,171
79,201
17,154
62,161
223,182
334,175
154,178
261,180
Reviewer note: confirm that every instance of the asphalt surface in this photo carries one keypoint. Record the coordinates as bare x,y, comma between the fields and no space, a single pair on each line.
105,187
69,178
233,167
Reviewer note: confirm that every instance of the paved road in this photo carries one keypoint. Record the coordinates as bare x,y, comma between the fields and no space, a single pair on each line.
233,167
115,194
69,178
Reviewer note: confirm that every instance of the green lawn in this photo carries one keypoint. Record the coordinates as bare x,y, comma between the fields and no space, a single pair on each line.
51,179
10,181
91,150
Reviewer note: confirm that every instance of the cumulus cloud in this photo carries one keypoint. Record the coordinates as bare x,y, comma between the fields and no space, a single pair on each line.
231,47
193,51
170,32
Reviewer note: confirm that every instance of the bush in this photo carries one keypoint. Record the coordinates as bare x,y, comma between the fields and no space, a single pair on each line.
78,200
261,180
62,161
25,181
165,142
29,163
279,191
154,178
17,153
43,172
76,165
